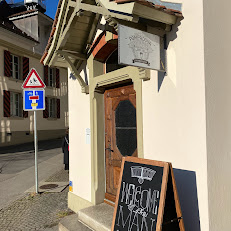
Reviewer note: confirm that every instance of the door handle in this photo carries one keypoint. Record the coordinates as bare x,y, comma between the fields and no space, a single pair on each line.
109,149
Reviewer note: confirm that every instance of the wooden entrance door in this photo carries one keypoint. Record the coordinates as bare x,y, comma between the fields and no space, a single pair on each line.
120,133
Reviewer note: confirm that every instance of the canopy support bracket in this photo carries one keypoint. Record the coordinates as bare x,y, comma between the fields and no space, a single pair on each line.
74,71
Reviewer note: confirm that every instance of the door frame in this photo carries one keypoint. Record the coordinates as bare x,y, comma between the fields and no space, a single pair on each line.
98,81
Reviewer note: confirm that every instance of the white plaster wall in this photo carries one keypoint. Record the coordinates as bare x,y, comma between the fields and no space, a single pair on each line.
28,25
174,116
218,109
45,25
80,151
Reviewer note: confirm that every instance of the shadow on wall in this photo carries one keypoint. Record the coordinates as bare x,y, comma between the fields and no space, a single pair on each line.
171,36
72,76
5,131
161,76
83,67
187,190
5,126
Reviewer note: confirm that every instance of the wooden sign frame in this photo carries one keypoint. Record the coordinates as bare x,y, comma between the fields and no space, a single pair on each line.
168,177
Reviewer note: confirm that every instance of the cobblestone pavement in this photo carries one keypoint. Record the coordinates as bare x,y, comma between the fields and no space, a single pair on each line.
36,212
60,176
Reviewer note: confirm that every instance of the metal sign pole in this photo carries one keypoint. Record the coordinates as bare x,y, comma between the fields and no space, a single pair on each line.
36,152
33,100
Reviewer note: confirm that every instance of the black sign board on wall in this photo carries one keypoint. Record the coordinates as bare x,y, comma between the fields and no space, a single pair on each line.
147,198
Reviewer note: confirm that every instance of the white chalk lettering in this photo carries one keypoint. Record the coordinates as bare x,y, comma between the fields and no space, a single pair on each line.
152,205
121,216
130,194
137,196
145,199
153,221
139,203
135,222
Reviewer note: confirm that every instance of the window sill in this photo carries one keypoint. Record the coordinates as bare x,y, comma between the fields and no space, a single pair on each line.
15,80
51,118
16,118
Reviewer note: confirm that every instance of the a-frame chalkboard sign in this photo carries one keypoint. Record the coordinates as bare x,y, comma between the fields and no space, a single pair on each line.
147,198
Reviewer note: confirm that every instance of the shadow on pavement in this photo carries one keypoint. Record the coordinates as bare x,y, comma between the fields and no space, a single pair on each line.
29,147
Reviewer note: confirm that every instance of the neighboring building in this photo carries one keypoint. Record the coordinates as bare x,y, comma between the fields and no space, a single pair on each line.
182,116
23,37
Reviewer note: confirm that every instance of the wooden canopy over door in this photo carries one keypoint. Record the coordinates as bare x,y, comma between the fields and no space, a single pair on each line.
120,133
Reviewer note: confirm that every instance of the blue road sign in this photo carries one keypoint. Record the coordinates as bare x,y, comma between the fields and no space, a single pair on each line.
33,100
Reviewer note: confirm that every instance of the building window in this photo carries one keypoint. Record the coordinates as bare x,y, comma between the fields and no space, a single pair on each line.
51,79
16,66
51,107
16,104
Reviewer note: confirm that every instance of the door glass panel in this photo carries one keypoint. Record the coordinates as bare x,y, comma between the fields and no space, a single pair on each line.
125,122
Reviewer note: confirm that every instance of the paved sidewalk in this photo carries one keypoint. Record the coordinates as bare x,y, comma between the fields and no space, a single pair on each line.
37,212
14,187
17,173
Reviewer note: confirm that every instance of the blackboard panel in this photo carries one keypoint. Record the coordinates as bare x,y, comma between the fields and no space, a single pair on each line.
139,197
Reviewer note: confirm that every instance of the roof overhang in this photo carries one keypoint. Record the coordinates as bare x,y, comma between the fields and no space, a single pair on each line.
76,21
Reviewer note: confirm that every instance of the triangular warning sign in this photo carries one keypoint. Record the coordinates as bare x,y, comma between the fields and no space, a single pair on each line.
33,80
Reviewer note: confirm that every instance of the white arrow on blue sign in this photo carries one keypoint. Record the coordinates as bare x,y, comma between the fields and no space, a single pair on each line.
34,100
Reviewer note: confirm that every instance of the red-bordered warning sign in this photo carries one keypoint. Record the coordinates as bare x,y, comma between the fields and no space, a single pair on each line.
33,80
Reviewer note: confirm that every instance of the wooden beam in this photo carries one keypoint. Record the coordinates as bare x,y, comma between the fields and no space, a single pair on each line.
64,36
74,71
153,14
65,18
73,54
100,10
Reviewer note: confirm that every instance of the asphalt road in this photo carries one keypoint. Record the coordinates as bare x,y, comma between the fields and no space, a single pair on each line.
18,158
17,168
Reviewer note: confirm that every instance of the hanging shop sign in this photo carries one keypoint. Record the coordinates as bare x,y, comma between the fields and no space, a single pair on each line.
138,48
147,197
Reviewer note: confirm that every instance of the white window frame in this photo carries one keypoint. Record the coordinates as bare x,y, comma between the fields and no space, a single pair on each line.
52,108
16,104
16,66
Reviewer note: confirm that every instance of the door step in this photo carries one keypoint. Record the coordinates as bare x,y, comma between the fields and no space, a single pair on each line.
71,223
97,218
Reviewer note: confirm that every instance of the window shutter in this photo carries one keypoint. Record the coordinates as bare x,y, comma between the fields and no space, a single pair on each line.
58,108
57,78
25,67
45,112
6,103
46,75
7,64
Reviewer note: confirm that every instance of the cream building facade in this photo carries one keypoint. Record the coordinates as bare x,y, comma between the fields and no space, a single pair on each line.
23,36
182,116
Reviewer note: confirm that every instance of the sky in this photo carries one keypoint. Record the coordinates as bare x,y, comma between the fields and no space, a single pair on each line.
51,7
